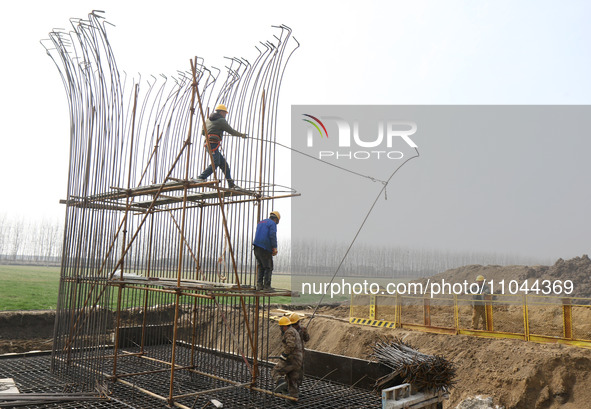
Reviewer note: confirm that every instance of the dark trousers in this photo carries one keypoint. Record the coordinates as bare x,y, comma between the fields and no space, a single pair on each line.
219,161
265,264
478,313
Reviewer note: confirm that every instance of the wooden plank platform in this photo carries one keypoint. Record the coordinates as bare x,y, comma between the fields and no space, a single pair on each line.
170,186
111,200
219,289
196,197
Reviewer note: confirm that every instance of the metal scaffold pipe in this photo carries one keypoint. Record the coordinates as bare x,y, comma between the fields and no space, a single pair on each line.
166,262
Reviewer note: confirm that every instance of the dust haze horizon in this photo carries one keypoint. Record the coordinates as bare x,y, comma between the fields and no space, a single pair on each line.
525,197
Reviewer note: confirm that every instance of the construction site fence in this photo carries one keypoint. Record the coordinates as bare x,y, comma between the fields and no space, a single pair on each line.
547,319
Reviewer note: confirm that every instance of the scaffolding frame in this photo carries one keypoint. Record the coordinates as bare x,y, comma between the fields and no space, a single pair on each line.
166,262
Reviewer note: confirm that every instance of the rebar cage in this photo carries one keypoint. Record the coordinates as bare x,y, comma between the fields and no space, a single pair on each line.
157,266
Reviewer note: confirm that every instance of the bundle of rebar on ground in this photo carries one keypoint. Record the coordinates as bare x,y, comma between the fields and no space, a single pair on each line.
11,400
408,365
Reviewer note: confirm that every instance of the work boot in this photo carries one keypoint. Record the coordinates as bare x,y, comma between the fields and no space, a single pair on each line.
259,287
198,179
281,386
232,185
267,287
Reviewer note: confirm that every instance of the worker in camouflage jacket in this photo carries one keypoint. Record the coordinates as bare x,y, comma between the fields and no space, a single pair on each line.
295,318
288,373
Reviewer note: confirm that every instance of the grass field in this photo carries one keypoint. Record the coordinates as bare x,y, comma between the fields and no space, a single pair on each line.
36,288
28,287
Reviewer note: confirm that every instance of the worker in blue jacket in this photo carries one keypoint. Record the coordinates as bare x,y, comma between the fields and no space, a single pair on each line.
265,247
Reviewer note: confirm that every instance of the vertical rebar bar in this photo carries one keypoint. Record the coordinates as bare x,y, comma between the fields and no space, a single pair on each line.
118,136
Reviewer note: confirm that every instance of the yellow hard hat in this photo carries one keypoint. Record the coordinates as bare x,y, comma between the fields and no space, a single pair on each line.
480,278
294,318
276,214
284,321
221,107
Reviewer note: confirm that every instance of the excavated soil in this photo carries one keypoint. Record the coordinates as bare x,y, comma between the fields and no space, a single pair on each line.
577,270
515,374
23,331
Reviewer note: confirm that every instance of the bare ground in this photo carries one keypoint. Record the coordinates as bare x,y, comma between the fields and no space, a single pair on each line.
516,374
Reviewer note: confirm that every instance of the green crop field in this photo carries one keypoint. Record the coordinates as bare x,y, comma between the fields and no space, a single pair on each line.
28,287
36,288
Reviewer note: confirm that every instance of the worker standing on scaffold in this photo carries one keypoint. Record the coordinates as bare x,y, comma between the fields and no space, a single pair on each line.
265,247
216,125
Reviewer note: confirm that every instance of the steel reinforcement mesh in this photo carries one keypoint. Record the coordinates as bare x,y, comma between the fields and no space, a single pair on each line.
152,255
32,375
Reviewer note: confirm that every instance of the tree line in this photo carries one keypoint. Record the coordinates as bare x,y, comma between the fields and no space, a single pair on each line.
42,242
323,258
30,241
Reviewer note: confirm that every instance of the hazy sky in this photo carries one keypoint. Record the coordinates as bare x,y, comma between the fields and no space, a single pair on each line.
504,179
372,52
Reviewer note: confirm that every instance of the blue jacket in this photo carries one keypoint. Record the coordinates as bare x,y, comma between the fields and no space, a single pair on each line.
266,235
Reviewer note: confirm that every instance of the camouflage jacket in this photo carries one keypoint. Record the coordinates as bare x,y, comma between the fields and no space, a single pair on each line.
479,297
303,333
293,348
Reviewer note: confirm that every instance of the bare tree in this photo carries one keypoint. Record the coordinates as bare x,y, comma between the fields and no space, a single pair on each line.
4,235
17,238
322,258
30,241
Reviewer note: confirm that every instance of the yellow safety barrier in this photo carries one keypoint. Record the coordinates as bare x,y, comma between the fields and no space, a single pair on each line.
535,318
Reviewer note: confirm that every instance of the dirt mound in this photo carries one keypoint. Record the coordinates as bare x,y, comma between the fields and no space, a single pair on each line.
506,373
513,374
26,324
577,269
23,331
478,402
509,373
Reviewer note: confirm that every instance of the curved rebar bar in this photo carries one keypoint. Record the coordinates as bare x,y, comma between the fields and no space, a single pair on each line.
135,143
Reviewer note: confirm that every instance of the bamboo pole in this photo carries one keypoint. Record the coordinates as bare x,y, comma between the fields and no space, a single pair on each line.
226,231
182,231
120,289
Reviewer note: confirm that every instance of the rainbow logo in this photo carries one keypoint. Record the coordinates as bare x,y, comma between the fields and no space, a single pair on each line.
314,124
